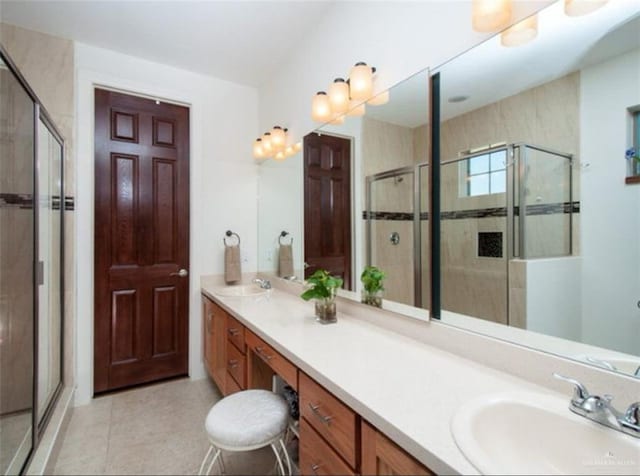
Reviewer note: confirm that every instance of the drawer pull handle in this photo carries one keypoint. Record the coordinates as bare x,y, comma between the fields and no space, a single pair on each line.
209,319
323,418
234,332
261,353
233,363
314,468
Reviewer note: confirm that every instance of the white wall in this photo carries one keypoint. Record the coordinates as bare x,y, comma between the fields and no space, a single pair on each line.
399,38
610,210
223,121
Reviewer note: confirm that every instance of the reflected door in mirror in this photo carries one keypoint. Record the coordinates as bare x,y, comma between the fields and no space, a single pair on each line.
327,205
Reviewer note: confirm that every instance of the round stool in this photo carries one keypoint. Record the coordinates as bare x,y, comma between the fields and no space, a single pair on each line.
245,421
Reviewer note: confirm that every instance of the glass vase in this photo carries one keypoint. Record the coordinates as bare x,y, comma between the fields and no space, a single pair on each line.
372,298
326,310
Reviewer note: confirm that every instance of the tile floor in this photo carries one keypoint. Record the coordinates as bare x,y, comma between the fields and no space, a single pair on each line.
157,429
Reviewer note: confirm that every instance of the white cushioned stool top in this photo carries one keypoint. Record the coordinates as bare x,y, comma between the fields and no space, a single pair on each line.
247,419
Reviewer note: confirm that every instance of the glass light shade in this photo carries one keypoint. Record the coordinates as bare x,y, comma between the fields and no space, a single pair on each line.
338,120
278,138
297,147
321,107
258,151
356,109
289,151
279,156
339,96
361,82
520,33
379,99
490,15
575,8
266,144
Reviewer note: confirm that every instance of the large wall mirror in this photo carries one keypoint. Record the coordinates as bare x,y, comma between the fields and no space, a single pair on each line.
373,169
540,223
540,227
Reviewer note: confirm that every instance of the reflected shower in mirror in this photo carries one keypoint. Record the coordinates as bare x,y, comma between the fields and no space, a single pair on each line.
539,226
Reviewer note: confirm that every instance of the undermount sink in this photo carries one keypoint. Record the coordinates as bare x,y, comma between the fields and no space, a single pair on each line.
240,290
527,433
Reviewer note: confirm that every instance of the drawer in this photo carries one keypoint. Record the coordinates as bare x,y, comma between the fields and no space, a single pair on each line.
235,332
273,359
331,418
316,456
236,366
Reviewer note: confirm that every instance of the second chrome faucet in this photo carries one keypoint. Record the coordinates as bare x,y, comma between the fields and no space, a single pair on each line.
599,409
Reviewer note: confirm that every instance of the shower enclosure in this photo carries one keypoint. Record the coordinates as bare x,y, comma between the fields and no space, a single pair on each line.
397,232
500,207
31,268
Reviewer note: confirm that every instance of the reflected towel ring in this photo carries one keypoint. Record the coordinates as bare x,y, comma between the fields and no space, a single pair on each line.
230,233
283,234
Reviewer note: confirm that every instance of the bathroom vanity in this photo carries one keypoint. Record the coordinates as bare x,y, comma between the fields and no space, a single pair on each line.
379,391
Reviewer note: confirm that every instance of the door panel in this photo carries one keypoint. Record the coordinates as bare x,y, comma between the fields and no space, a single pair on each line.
141,240
327,205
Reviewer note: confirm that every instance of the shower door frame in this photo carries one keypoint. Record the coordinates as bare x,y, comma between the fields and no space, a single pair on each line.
417,232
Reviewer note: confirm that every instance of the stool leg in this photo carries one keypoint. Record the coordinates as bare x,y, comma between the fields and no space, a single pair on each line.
277,453
215,457
206,457
286,457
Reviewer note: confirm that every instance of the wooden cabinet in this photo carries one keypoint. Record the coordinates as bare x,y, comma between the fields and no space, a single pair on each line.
316,456
263,361
224,348
381,456
332,419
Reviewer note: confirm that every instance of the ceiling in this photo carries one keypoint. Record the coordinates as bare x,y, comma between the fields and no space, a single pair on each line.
240,41
490,72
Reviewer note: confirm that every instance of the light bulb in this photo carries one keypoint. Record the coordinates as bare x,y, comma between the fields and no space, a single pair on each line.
575,8
339,96
266,144
356,109
279,156
490,15
520,33
289,151
321,107
278,138
361,82
338,120
297,147
258,150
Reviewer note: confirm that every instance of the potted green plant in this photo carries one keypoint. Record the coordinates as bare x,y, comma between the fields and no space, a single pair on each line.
372,278
322,287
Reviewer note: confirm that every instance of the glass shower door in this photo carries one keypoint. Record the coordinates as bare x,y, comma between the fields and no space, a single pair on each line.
17,224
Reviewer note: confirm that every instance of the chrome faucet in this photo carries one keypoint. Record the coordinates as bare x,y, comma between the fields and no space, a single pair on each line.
264,283
599,409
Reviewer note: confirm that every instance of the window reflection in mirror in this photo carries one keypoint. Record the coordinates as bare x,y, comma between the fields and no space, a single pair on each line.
555,199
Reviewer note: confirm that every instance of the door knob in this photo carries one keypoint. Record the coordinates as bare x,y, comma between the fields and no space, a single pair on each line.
182,273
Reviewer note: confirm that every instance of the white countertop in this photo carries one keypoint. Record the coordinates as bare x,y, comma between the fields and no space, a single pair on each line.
407,389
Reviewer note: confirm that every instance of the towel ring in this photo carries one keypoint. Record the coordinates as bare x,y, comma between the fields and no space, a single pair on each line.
230,233
283,234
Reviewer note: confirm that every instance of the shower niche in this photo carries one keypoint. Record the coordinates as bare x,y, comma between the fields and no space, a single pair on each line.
31,268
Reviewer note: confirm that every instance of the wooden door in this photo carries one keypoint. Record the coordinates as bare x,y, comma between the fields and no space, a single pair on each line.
141,240
327,205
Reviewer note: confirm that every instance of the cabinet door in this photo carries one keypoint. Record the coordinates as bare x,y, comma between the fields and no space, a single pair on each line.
219,342
381,456
207,344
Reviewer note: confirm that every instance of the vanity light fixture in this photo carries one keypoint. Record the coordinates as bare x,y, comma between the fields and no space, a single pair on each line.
279,156
356,109
279,144
337,120
321,107
297,147
490,15
575,8
339,96
266,144
361,81
520,33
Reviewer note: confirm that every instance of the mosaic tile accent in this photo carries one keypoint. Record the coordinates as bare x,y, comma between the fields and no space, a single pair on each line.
540,209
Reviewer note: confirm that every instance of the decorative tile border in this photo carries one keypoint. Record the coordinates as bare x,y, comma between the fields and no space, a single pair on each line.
24,201
497,212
